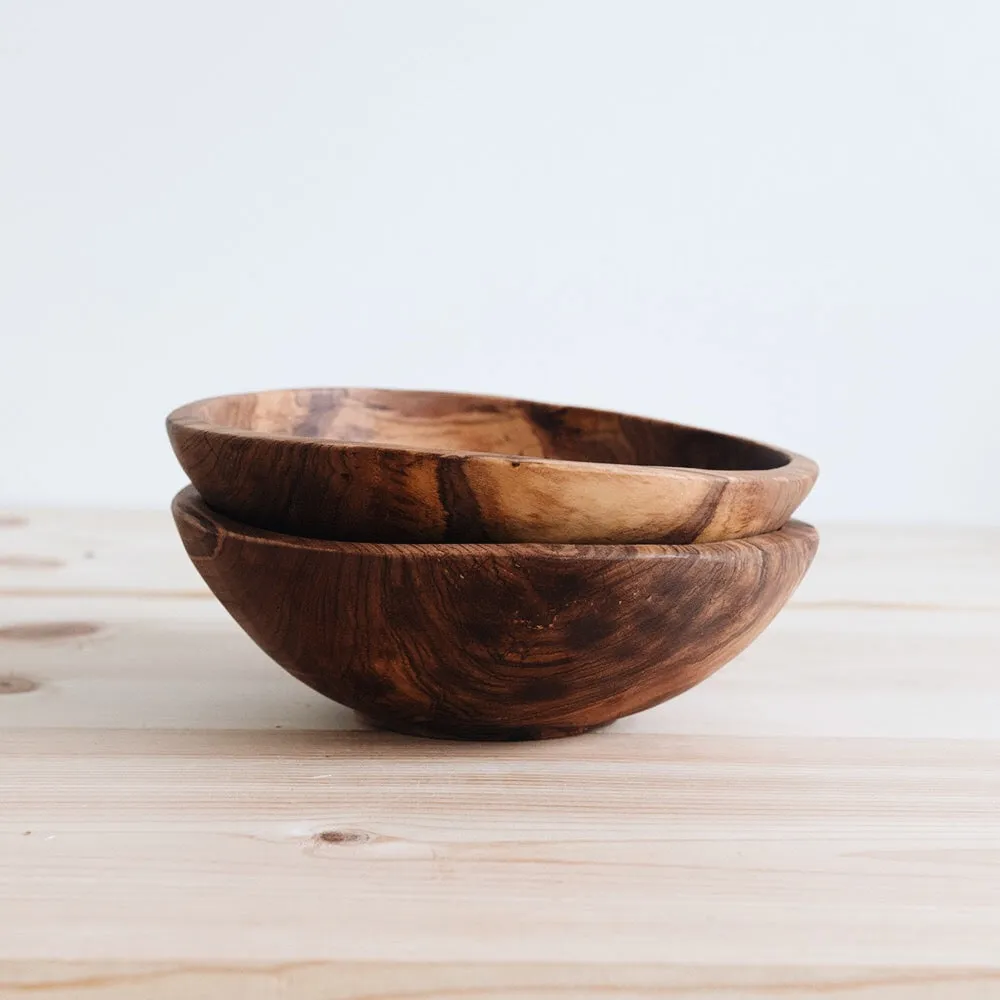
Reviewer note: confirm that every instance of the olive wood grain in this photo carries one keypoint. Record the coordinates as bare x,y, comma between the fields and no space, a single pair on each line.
402,466
477,641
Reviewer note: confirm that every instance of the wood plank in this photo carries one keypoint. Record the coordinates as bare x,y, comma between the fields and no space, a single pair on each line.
613,848
145,663
74,552
332,980
179,817
670,787
888,566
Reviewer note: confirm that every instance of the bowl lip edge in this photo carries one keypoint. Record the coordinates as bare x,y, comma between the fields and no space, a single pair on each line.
793,534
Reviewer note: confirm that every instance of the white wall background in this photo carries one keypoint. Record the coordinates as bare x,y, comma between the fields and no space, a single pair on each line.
776,218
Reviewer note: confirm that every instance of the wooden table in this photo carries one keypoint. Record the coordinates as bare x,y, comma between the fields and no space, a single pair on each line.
178,818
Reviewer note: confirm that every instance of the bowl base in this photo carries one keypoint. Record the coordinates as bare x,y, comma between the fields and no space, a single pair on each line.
484,733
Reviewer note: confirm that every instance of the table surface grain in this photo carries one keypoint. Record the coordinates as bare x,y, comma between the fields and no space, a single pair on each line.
179,818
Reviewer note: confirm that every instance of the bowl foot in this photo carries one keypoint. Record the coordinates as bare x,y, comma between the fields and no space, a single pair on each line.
468,731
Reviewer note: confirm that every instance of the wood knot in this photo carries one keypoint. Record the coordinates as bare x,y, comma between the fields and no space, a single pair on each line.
40,631
12,521
17,685
343,837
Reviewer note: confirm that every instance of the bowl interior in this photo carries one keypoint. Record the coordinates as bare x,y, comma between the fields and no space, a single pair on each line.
453,422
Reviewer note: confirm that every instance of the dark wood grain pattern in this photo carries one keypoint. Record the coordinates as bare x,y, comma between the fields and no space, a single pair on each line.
495,641
399,466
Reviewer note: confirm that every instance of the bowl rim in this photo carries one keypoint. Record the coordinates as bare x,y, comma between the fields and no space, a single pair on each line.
190,504
795,468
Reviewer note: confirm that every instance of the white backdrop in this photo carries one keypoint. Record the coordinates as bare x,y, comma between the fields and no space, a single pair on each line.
776,218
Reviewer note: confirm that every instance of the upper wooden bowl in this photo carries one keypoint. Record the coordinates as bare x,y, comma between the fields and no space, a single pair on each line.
494,641
398,466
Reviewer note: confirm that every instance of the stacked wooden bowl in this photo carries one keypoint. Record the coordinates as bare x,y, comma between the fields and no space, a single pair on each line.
486,568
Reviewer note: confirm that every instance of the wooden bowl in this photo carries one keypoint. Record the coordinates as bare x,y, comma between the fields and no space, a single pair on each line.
377,465
494,641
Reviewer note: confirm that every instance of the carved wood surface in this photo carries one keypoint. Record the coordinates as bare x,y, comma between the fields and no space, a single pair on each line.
495,641
395,466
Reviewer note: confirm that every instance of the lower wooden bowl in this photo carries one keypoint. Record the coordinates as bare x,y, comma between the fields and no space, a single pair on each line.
521,641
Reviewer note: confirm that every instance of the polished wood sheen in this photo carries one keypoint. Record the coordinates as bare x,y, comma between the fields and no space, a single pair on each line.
494,641
401,466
